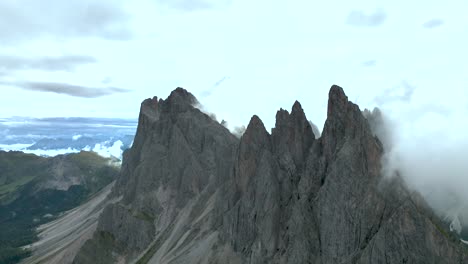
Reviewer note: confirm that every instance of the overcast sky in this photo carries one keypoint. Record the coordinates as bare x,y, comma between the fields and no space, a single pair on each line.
239,57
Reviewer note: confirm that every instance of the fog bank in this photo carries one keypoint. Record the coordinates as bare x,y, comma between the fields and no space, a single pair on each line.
427,143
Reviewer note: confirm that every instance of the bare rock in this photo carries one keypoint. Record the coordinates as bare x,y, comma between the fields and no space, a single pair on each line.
191,192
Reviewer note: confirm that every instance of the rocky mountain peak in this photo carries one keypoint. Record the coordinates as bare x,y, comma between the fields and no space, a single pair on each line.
193,193
337,101
150,108
256,132
342,112
297,108
344,122
255,137
292,133
180,100
254,143
379,126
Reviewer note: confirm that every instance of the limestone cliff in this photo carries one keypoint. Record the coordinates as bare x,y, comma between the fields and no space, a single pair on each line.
191,192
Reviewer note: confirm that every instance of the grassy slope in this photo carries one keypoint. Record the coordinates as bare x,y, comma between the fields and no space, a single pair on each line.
16,170
23,207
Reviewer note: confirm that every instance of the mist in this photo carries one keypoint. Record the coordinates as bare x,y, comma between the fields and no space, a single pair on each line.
427,143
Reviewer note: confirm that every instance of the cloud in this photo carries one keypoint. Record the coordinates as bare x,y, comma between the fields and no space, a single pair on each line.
220,81
24,20
67,89
206,93
60,63
238,131
430,154
106,80
369,63
193,5
433,23
427,144
315,130
359,18
210,91
402,93
419,112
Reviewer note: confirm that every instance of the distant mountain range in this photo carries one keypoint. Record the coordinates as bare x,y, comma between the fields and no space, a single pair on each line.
52,136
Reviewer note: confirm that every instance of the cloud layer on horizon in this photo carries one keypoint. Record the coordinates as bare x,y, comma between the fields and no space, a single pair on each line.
10,63
66,89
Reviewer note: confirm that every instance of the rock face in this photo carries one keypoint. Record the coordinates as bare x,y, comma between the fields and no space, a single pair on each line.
191,192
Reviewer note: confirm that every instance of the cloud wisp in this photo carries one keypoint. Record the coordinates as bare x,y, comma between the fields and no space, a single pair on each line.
21,21
106,80
433,23
66,89
59,63
193,5
359,18
401,93
218,83
369,63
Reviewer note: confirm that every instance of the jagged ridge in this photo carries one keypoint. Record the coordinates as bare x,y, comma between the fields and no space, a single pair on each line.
191,192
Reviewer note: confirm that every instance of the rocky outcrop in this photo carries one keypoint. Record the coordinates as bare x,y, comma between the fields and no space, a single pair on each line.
191,192
179,157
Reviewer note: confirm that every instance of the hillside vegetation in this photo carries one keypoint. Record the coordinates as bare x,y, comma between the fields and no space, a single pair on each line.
35,190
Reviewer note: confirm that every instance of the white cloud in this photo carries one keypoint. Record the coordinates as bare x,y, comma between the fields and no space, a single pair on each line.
55,63
401,93
113,151
428,146
433,23
360,18
24,20
65,88
193,5
14,147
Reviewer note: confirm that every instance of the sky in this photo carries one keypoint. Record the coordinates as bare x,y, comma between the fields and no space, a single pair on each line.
86,58
238,57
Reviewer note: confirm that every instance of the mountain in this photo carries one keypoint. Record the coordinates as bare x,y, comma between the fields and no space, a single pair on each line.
53,136
191,192
35,190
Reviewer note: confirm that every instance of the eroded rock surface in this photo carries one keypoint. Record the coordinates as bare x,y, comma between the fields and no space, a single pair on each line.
191,192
